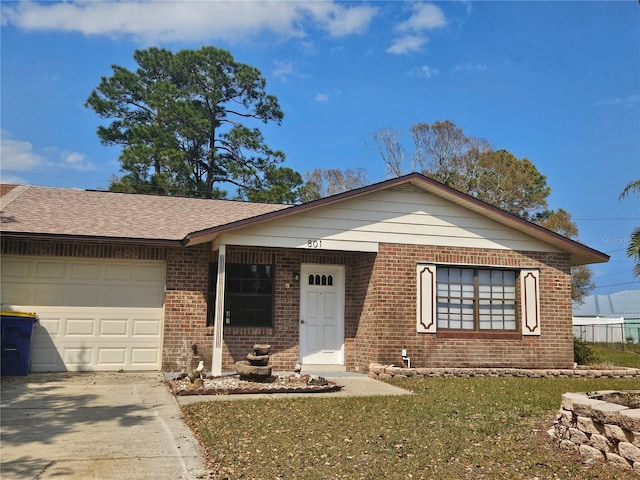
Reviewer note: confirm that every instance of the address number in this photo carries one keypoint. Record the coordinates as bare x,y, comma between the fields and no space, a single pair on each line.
314,243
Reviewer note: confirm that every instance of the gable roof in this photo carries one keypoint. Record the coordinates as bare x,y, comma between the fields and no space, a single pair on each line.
39,211
625,303
579,253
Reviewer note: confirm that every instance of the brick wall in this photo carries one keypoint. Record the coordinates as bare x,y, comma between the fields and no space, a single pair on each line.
380,304
284,335
394,307
185,312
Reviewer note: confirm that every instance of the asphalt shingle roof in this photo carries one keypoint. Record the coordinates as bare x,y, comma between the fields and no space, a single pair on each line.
57,211
33,211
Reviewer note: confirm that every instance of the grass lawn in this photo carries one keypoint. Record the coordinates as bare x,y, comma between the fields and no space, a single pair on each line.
451,428
630,357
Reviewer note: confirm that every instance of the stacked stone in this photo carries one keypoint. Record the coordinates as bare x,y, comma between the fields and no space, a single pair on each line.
378,371
256,367
599,430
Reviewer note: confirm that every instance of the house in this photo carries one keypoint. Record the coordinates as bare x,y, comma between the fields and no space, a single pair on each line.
613,317
140,282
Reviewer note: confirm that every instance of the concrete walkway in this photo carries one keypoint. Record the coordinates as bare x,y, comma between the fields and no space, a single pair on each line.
94,426
353,385
106,426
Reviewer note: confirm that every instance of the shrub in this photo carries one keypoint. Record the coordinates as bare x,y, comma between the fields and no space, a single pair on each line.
583,354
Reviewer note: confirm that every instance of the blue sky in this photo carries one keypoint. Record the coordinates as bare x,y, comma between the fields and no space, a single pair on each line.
556,82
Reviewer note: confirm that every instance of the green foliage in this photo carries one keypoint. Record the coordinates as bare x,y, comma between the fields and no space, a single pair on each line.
185,122
630,357
583,354
471,165
279,185
450,428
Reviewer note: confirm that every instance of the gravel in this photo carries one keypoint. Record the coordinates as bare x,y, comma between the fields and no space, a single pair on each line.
230,385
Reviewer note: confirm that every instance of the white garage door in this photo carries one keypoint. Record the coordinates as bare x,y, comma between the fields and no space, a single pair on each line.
94,314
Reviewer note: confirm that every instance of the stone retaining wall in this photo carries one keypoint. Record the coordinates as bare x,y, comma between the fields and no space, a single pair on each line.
598,429
378,371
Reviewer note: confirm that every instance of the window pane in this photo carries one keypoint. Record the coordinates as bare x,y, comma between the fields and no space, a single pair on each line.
233,285
458,290
249,294
484,277
510,278
484,291
466,276
467,290
467,325
510,325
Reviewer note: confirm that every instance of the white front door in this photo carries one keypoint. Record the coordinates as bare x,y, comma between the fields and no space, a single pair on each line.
322,315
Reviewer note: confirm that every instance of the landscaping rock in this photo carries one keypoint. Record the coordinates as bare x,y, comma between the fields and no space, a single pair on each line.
262,349
617,460
629,451
630,419
255,367
258,360
590,452
252,372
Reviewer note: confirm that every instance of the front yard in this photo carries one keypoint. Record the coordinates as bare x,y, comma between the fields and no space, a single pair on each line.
451,428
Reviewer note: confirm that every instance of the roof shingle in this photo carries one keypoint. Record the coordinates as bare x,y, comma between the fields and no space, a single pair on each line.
57,211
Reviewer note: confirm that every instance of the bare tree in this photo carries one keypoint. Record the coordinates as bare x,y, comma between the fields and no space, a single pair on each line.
320,183
387,142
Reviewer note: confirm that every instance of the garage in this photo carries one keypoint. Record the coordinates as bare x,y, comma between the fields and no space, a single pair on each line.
95,314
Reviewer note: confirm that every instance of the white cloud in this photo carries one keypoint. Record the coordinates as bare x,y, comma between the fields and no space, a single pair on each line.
18,155
425,17
322,97
340,20
407,44
425,71
282,69
470,67
624,102
13,179
176,20
75,161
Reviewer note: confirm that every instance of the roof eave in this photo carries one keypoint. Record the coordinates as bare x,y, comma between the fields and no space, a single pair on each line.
579,254
156,242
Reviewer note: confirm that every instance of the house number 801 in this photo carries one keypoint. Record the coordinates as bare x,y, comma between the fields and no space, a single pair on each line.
314,243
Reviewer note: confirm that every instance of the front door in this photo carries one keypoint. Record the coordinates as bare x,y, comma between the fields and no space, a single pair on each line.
322,315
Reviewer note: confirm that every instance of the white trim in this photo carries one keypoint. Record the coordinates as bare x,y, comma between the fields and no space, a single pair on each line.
426,318
218,328
530,301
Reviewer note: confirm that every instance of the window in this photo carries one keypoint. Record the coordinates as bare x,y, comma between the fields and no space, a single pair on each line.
476,299
248,295
324,280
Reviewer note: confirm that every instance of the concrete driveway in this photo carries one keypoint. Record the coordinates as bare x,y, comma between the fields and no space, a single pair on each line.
94,426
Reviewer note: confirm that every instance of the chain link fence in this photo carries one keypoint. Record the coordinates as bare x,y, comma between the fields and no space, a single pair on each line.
614,333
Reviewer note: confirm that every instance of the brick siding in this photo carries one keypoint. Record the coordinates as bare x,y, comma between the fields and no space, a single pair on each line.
395,304
380,304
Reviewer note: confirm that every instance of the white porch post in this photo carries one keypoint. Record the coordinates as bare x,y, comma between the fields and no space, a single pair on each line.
216,358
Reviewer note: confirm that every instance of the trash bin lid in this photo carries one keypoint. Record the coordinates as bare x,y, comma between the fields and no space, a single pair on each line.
19,314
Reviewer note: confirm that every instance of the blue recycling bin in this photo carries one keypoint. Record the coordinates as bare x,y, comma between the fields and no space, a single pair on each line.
16,329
